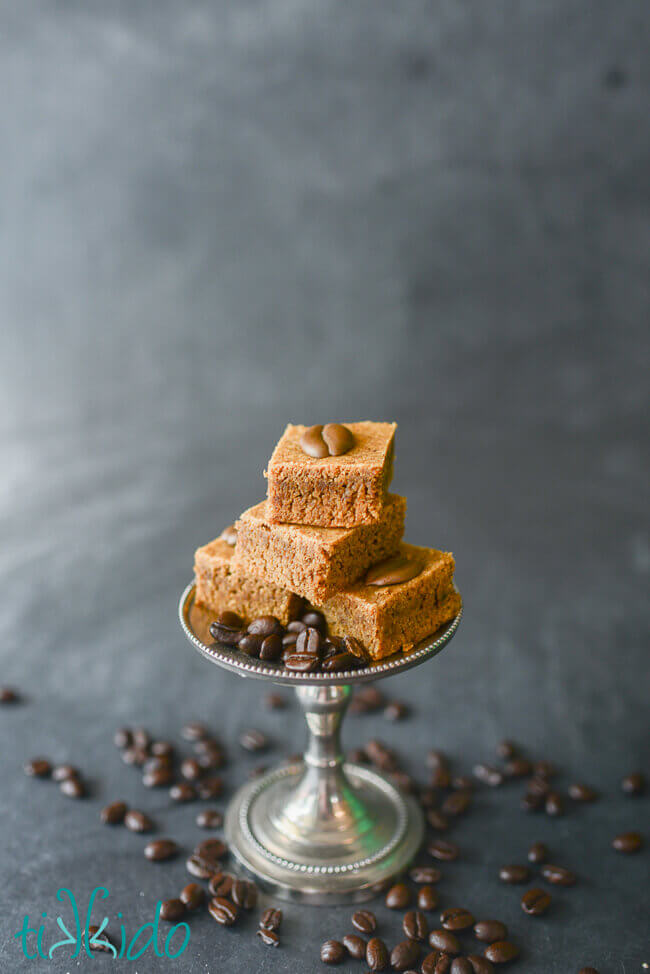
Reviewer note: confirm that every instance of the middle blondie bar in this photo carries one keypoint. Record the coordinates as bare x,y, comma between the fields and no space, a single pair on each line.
316,562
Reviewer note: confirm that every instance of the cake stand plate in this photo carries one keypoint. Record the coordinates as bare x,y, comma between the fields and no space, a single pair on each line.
320,831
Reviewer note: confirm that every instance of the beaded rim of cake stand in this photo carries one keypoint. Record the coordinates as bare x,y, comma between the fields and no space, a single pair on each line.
246,666
313,869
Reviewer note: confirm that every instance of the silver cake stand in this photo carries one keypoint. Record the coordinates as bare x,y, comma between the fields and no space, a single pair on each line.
320,831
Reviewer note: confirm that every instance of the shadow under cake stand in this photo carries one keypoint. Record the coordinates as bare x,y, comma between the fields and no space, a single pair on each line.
321,830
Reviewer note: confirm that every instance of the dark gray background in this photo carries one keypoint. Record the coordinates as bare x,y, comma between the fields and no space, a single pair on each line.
218,217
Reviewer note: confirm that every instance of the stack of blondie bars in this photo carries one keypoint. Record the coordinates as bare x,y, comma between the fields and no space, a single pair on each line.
329,534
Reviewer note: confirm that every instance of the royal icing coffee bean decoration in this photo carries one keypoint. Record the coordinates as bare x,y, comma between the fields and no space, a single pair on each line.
393,571
331,440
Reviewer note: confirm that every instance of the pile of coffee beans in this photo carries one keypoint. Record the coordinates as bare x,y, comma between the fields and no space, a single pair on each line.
68,778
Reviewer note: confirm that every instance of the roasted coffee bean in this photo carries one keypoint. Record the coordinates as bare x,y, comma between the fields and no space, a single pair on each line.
535,902
544,769
436,963
314,619
266,626
488,775
381,756
210,788
558,875
142,738
136,821
633,784
268,937
157,778
456,918
211,758
297,626
406,954
223,911
428,797
554,805
73,788
251,644
514,874
201,867
437,820
415,925
301,663
8,695
228,635
538,852
366,701
332,952
628,842
258,770
443,851
193,896
271,919
365,921
489,931
582,793
462,782
501,952
425,874
538,786
377,957
428,898
211,849
355,946
209,818
436,759
253,740
134,756
123,738
506,749
154,764
338,439
191,769
221,884
398,897
182,792
289,642
588,970
162,749
457,803
276,701
309,641
97,941
460,965
244,894
114,813
339,662
480,965
38,768
160,850
404,781
172,910
271,648
396,710
351,645
194,730
517,768
445,940
531,802
63,771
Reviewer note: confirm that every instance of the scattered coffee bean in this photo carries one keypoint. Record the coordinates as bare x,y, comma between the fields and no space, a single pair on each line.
377,957
182,792
531,802
425,874
582,793
135,756
588,970
460,965
437,820
365,921
244,894
268,937
428,898
332,952
517,768
162,749
558,875
489,931
396,710
634,784
301,663
415,925
535,902
538,786
221,884
488,775
501,952
456,918
63,771
436,963
381,756
253,740
514,874
38,768
194,730
8,695
271,919
554,805
157,778
457,803
193,896
266,626
142,738
73,788
123,738
172,910
406,954
191,769
538,852
398,897
276,701
209,818
355,946
223,911
506,749
628,842
443,851
160,850
114,813
136,821
544,769
480,965
226,632
211,849
445,940
209,788
366,701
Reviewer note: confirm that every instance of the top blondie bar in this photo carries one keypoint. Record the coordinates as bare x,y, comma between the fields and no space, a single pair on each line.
340,490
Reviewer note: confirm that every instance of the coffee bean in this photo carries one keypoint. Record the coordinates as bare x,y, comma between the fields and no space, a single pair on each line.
436,963
456,918
535,902
338,439
158,763
289,642
160,850
211,758
457,803
332,952
201,867
355,946
73,788
558,875
428,898
157,778
437,820
501,952
460,965
114,813
251,644
221,884
253,740
191,769
123,738
381,756
268,937
271,919
244,894
365,921
315,620
229,635
63,771
301,663
136,821
514,874
162,749
351,645
628,842
377,957
538,852
366,701
210,788
588,970
393,571
489,931
297,626
445,941
8,695
134,756
266,626
396,710
538,786
443,851
211,849
209,818
182,792
554,804
309,642
96,941
480,965
223,911
544,769
634,784
415,925
38,768
406,954
517,768
582,793
339,662
142,738
398,897
506,749
425,874
172,910
194,730
271,648
531,802
488,775
193,896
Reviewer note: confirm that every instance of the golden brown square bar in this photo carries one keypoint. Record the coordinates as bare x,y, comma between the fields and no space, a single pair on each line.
386,619
312,561
339,491
220,585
